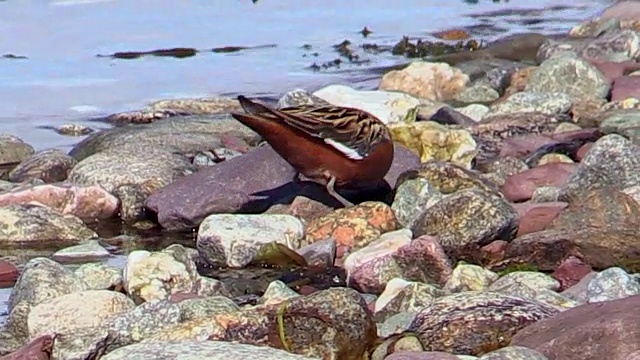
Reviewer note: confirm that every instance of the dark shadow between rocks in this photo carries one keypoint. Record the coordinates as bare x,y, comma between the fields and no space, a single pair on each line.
284,194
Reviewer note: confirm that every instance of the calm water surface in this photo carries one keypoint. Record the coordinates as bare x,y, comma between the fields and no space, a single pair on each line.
63,81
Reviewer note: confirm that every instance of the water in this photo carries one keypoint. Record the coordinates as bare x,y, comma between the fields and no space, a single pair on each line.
63,81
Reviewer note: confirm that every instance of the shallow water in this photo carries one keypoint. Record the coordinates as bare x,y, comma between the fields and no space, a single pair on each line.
63,81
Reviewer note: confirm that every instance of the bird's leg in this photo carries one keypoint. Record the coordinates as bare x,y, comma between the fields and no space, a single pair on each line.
332,192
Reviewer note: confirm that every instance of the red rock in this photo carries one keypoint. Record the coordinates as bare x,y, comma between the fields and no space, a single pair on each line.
583,151
85,202
38,349
423,260
494,251
625,87
570,272
234,143
614,70
606,330
520,187
8,274
534,217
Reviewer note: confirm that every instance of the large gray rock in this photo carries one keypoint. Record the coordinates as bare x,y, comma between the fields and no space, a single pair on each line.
249,183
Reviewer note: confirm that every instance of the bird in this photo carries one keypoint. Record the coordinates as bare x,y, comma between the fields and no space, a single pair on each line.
334,146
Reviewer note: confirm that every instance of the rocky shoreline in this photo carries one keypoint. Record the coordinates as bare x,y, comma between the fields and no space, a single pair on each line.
508,229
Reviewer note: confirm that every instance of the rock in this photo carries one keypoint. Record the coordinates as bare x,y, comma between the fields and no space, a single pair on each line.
300,97
226,187
197,106
99,276
532,285
236,240
599,248
212,350
40,348
518,80
530,101
42,280
401,296
413,197
492,131
545,194
570,75
625,87
321,253
73,130
8,274
37,224
555,158
612,162
618,46
467,277
534,217
388,106
475,111
156,276
146,320
47,165
570,272
90,251
302,207
13,151
249,183
613,323
466,220
612,284
477,93
514,353
521,186
434,142
67,313
395,255
433,81
477,322
600,209
621,10
421,355
354,227
119,166
625,123
85,202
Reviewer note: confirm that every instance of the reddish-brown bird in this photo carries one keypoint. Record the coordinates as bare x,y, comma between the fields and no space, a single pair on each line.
334,146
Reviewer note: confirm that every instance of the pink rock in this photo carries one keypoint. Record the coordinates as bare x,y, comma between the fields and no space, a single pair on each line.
520,187
87,203
604,330
422,259
8,274
625,87
534,217
570,272
494,251
583,151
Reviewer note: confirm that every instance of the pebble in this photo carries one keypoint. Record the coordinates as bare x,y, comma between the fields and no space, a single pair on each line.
506,228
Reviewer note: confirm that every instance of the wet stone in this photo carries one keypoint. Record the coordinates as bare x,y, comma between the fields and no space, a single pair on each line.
47,165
